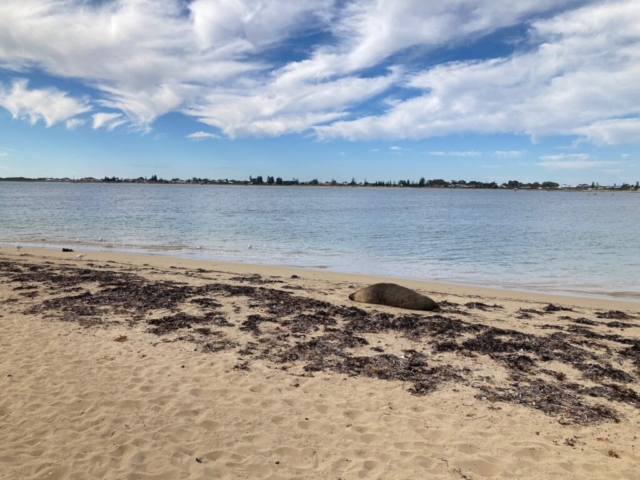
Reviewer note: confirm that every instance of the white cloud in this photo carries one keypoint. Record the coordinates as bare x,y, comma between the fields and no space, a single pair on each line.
509,153
74,123
468,153
574,161
395,147
107,120
218,62
616,131
3,154
580,80
196,136
564,157
49,105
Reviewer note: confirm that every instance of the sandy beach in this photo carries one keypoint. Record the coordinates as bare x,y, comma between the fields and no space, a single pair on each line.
145,367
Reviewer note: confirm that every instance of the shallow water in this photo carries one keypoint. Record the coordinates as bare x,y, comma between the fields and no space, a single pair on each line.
560,242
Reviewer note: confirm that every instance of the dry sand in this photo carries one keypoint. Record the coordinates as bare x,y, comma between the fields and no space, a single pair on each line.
76,404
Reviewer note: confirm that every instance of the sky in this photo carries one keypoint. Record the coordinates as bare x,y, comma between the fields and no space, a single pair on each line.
487,90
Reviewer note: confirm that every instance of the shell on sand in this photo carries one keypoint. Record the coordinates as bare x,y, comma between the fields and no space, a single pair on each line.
394,295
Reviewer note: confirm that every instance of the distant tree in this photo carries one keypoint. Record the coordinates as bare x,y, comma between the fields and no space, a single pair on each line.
637,186
353,182
333,182
270,180
314,182
437,182
550,185
422,182
279,181
154,178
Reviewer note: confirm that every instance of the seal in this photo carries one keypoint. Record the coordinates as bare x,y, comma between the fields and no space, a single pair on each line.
394,295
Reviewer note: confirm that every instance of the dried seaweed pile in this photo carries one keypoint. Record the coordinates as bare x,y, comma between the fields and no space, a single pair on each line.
292,331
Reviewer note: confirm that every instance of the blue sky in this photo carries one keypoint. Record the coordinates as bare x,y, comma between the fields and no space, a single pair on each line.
377,90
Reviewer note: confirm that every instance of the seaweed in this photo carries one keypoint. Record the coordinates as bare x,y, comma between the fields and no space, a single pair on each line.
556,308
615,315
290,329
482,306
552,399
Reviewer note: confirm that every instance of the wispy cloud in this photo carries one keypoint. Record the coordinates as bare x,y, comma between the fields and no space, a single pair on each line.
49,105
107,120
214,61
528,92
468,153
509,153
198,136
74,123
574,161
3,154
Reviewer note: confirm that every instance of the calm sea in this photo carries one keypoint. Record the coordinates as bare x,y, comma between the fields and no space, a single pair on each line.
561,242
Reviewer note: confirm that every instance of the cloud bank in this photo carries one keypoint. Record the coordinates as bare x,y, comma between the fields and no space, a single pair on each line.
355,70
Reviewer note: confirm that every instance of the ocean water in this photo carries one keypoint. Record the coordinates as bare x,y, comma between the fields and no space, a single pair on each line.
558,242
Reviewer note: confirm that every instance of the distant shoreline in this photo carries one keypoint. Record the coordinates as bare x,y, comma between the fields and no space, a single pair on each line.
435,184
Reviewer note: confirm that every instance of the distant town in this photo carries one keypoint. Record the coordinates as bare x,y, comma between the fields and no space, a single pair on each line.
278,181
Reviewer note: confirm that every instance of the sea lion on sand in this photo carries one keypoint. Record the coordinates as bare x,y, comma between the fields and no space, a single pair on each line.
394,296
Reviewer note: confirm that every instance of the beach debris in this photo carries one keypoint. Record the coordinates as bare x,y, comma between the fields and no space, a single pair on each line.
555,308
292,330
620,325
482,306
615,315
254,279
613,454
171,323
120,339
581,321
530,311
199,459
67,249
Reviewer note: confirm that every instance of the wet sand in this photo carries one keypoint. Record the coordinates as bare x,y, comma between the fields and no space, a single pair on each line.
131,366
